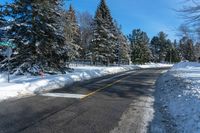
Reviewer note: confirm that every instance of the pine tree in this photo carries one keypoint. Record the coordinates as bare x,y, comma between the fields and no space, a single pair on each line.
197,50
155,48
139,46
172,53
20,33
158,46
122,47
73,32
187,49
2,22
104,38
2,30
163,46
36,30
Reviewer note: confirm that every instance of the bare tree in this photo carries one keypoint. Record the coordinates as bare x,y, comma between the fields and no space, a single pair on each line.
191,14
85,21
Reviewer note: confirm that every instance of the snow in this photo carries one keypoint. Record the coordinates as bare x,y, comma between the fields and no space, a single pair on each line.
78,96
179,94
21,86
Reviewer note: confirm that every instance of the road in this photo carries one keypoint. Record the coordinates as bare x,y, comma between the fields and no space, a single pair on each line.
121,103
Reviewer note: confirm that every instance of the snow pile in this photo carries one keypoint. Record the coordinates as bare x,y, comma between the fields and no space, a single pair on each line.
3,77
155,65
179,93
186,65
30,85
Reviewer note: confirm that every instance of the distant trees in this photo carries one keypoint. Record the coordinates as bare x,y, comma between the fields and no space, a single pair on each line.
49,37
163,49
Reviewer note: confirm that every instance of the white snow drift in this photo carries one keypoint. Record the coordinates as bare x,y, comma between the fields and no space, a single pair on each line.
179,93
29,85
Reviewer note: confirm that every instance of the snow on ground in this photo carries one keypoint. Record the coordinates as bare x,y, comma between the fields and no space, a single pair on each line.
29,85
178,92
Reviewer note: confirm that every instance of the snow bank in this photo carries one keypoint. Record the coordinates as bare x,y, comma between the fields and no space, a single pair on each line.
3,77
185,66
155,65
179,93
30,85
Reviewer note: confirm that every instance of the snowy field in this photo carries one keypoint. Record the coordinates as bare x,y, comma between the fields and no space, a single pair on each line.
178,94
21,86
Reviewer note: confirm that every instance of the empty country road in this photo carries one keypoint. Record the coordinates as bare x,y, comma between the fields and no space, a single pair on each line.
121,103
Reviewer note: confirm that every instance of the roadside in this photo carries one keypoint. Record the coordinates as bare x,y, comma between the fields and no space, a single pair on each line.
140,113
21,86
177,100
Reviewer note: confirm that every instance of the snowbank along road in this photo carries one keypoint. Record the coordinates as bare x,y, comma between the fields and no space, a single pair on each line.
121,103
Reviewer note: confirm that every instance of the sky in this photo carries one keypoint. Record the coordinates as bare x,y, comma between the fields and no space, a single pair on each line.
151,16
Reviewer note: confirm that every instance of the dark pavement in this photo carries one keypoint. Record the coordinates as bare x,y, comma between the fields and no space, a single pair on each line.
100,112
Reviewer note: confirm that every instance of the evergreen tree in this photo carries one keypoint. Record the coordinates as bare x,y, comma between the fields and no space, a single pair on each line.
186,47
155,48
173,54
36,30
20,33
158,46
2,30
72,34
104,38
197,50
139,46
122,47
2,22
163,46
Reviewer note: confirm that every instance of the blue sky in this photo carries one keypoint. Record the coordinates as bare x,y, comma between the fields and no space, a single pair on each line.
151,16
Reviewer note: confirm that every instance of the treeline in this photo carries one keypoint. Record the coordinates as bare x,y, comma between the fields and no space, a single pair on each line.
49,37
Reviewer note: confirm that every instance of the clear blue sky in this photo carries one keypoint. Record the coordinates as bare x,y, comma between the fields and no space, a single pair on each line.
151,16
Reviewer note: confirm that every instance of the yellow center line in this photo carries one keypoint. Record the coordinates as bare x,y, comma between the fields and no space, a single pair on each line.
108,85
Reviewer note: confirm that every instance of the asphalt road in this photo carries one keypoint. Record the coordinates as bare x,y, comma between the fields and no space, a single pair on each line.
121,103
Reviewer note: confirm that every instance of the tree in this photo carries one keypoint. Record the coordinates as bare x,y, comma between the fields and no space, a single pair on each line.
184,30
190,12
187,49
71,34
173,54
74,27
104,39
2,30
197,50
139,47
36,30
20,33
122,47
155,48
158,46
2,22
86,25
163,46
